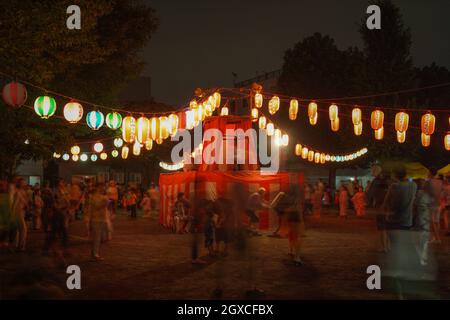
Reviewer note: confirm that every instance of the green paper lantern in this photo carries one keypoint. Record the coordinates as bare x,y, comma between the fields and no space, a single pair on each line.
45,107
113,120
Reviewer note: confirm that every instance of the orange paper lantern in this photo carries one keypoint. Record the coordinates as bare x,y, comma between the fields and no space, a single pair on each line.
356,116
428,124
357,129
129,129
401,136
379,134
333,112
426,139
377,119
293,109
401,121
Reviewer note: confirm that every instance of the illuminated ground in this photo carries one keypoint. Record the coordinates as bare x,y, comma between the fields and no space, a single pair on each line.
145,261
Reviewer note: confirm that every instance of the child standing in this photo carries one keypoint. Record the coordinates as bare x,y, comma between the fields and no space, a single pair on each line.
359,202
343,201
131,200
146,205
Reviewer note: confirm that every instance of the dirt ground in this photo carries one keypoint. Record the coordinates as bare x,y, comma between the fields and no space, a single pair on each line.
146,261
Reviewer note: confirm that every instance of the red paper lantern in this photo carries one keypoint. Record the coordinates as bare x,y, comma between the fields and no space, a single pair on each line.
14,94
401,121
377,119
428,124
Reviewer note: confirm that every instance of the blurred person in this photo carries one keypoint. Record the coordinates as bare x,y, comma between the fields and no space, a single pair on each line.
146,205
181,212
445,199
19,208
75,196
279,206
343,201
47,209
308,203
97,213
422,214
131,202
225,225
359,202
113,196
316,200
293,208
38,205
435,186
209,227
4,214
154,199
255,203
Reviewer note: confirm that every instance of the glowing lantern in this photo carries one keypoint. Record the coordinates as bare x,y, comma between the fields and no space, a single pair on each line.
333,112
401,121
142,129
317,157
45,106
262,122
65,157
305,153
98,147
94,157
136,148
75,150
335,124
377,119
149,145
327,157
274,105
73,112
163,127
103,156
115,153
333,158
113,120
277,135
356,116
75,157
224,111
14,94
83,157
56,155
322,158
379,134
312,109
298,149
254,115
189,120
201,114
118,142
357,129
95,120
447,141
208,109
310,155
217,98
428,124
293,109
173,124
401,136
285,140
313,120
125,151
129,129
193,105
270,129
159,141
426,139
154,128
258,100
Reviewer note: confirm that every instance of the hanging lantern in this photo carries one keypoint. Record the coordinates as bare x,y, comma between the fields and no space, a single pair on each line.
285,140
136,148
313,120
125,151
298,149
163,127
270,129
428,124
305,153
357,129
94,157
95,120
154,128
45,106
274,105
103,156
159,141
377,119
426,139
65,157
193,105
113,120
118,142
401,136
83,157
224,111
312,109
258,100
129,129
14,94
401,121
317,157
262,122
201,114
335,125
447,141
75,150
173,124
142,129
98,147
379,134
149,145
217,98
293,109
356,116
56,155
73,112
75,157
310,155
115,153
208,109
322,158
189,120
254,114
333,112
327,157
277,136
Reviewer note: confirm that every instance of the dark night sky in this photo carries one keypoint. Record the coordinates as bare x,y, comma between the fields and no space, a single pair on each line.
200,42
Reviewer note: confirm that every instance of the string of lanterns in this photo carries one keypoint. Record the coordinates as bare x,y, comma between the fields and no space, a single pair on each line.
321,157
171,167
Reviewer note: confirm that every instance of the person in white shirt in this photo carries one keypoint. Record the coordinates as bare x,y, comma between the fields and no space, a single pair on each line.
255,203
